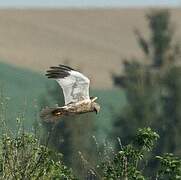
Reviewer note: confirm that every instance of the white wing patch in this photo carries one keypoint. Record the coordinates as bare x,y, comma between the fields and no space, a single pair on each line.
75,87
74,84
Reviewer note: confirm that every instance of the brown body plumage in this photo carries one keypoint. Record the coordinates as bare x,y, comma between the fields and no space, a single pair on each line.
81,107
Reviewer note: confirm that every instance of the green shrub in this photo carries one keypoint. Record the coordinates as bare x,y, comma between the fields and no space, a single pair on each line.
126,162
170,167
131,160
23,157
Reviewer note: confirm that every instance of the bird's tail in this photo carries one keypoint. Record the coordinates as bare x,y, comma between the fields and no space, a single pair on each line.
52,114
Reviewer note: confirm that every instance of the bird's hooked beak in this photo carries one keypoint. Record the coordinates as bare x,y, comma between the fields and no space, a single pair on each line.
97,108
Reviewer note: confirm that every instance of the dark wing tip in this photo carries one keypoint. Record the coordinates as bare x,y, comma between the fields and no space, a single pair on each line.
60,71
66,67
57,72
56,75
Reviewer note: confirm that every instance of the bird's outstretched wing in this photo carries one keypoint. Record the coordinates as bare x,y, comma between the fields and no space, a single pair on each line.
74,84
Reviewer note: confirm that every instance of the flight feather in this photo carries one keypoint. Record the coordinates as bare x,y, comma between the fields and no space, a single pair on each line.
74,84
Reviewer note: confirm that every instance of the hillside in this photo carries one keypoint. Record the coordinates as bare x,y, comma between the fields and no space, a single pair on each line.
92,40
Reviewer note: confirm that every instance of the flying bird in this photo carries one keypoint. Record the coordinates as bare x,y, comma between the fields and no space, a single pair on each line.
75,88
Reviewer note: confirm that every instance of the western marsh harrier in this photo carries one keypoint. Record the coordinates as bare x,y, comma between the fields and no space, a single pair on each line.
75,88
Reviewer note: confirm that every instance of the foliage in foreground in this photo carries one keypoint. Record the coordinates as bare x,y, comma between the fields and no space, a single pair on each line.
23,157
127,163
131,161
170,167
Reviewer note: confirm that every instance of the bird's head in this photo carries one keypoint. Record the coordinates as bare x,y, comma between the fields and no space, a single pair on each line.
95,106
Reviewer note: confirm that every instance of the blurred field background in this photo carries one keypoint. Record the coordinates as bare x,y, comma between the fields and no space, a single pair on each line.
95,41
